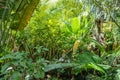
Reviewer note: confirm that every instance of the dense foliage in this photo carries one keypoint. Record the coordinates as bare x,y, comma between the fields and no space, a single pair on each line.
59,40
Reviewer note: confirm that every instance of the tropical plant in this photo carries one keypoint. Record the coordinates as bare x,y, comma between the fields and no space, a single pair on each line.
59,39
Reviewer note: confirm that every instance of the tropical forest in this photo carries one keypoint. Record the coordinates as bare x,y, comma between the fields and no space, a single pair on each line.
59,39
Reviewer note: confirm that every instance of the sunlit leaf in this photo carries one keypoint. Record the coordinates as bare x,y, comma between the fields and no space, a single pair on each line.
96,67
75,23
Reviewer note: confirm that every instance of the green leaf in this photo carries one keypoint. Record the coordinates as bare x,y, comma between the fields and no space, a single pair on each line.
16,75
59,65
117,76
69,27
88,61
85,58
105,66
39,74
88,66
8,56
96,58
4,68
23,64
96,67
75,22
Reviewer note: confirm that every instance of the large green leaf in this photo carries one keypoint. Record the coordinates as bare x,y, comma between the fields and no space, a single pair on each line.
75,22
85,58
59,65
88,61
